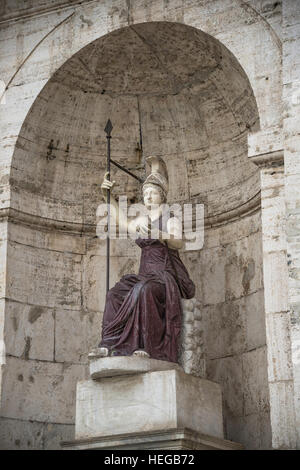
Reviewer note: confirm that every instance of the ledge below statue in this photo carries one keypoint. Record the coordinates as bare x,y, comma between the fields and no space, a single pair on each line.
127,365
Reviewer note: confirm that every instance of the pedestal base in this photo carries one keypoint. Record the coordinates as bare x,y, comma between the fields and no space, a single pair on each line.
141,403
172,439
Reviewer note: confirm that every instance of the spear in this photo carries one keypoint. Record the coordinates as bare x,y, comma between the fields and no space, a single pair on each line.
107,130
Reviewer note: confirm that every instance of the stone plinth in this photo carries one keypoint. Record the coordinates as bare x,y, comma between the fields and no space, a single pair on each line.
129,365
141,403
172,439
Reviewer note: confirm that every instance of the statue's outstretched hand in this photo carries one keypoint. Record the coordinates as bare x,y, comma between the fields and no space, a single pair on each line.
107,185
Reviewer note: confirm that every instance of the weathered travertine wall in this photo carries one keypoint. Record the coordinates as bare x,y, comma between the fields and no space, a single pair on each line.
232,305
291,100
195,99
3,251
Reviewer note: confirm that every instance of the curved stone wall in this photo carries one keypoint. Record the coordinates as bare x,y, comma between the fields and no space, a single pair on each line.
190,99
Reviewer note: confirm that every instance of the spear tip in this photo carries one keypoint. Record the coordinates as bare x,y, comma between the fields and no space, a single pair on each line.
108,127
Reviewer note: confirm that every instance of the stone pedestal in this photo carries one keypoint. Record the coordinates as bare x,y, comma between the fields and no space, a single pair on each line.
141,403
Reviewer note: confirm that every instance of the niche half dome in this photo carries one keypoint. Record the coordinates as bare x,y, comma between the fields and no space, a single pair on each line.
177,86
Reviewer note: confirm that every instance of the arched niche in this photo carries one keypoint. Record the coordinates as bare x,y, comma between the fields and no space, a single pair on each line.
191,101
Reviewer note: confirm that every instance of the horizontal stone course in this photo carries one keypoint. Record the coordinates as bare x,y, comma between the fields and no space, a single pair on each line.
33,435
37,390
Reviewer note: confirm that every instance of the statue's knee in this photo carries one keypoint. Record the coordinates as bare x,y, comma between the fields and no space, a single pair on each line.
152,288
147,287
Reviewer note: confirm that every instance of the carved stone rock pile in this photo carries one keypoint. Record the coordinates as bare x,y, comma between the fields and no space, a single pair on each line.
191,348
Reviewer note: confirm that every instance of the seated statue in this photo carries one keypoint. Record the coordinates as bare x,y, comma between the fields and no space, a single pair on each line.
143,311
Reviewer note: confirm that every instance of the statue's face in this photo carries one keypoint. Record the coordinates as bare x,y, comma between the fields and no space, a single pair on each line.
152,196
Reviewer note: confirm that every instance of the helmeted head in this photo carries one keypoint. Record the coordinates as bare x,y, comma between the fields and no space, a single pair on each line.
157,179
153,195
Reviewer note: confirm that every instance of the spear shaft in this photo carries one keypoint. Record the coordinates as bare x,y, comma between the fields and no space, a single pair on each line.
108,129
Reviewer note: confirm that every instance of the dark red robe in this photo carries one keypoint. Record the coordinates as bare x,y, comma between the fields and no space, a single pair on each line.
144,311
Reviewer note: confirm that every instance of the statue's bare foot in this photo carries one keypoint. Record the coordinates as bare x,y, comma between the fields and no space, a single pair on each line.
141,353
98,352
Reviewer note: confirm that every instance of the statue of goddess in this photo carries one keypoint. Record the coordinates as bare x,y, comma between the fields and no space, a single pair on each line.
143,312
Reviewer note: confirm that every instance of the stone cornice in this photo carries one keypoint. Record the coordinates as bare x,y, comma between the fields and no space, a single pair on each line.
265,147
269,160
16,216
249,207
47,224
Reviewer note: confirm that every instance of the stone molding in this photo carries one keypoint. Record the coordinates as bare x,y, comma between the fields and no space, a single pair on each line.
16,216
269,160
31,220
265,141
247,208
127,365
171,439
